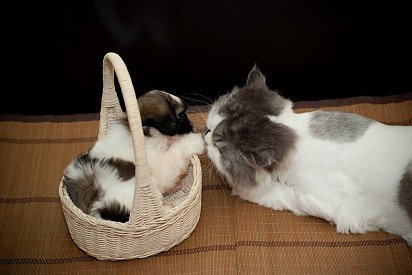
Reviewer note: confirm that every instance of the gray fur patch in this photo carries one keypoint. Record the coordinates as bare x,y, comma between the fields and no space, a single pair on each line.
338,126
405,190
249,143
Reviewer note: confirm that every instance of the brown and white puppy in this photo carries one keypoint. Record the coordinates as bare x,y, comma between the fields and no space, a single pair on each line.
101,182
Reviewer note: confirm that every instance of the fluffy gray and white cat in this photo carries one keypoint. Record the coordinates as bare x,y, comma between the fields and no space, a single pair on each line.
345,168
101,182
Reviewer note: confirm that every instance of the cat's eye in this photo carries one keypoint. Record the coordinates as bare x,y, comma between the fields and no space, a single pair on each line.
218,142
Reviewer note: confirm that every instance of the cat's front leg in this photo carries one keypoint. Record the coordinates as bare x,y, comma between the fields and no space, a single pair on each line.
347,225
272,195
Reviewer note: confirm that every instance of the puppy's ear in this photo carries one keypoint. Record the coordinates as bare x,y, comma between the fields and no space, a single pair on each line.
170,101
177,112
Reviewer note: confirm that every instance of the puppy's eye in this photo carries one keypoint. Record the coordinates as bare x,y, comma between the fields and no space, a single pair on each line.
181,115
206,131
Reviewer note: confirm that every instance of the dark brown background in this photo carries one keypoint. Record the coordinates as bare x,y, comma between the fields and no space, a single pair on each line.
309,50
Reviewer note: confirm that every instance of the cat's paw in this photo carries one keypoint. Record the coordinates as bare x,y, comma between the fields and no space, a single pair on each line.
353,227
408,240
297,212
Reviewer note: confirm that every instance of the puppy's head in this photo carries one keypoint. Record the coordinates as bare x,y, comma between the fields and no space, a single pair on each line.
165,112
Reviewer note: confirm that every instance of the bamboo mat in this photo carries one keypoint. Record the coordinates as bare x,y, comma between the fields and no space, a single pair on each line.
233,236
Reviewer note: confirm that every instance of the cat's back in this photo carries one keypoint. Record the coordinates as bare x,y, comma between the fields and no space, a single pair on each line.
351,131
353,145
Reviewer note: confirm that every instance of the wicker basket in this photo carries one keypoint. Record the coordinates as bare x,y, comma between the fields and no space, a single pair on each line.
150,229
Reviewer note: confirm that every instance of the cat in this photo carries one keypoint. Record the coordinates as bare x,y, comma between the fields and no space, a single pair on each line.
101,181
345,168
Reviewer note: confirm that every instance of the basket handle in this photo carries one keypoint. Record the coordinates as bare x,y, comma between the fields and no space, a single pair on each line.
146,205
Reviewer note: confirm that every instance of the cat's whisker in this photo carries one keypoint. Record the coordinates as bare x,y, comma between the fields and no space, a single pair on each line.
196,101
199,112
222,181
193,100
208,168
196,107
203,96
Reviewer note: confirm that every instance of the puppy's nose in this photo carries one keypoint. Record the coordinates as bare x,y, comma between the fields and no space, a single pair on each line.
206,131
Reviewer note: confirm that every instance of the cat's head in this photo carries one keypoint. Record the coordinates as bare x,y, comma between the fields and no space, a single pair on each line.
165,112
242,134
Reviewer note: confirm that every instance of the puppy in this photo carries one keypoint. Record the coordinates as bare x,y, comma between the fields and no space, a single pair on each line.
101,182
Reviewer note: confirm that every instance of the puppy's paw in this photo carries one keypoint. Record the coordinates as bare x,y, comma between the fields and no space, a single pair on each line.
167,207
195,143
170,189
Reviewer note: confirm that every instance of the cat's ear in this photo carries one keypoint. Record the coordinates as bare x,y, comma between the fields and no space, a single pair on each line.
256,78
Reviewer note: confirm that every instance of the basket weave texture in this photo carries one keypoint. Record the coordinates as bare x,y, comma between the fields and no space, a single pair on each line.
150,229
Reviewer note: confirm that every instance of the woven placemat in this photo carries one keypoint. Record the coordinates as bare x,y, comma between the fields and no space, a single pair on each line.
233,236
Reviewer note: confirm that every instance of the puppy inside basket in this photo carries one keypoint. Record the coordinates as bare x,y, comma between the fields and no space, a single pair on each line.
101,181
